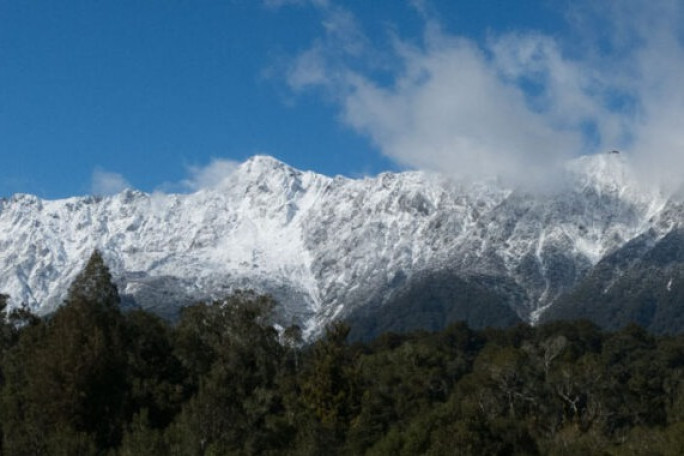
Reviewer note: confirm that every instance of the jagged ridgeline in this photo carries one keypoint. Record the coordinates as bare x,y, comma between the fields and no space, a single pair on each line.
396,251
93,380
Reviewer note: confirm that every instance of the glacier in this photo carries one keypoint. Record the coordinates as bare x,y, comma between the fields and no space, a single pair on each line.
324,246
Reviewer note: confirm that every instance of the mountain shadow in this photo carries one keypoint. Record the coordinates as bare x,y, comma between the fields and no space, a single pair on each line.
642,283
432,301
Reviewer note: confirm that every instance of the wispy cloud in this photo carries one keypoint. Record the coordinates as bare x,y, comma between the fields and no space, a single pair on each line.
104,183
330,58
517,105
275,4
655,65
210,175
280,3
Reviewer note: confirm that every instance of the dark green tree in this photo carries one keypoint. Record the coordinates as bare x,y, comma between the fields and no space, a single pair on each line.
66,378
94,285
232,353
330,390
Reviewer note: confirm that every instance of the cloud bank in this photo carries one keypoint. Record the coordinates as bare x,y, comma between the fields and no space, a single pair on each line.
515,106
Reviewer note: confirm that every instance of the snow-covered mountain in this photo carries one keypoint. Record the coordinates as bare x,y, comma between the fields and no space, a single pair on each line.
326,247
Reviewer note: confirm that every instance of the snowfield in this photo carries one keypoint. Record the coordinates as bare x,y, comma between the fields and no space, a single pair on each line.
324,246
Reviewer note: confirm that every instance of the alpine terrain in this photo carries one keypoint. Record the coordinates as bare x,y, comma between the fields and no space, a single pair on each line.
396,251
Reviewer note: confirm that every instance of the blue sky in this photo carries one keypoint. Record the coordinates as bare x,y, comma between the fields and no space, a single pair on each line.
162,95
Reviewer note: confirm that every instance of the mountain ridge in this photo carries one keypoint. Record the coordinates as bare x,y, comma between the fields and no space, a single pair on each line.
326,247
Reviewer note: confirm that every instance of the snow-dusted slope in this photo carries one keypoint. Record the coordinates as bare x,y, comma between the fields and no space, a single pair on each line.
324,245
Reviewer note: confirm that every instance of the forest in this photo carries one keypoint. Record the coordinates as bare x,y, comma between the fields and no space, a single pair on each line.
93,380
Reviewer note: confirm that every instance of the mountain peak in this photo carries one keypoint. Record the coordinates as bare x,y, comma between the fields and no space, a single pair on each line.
260,163
267,171
611,169
601,161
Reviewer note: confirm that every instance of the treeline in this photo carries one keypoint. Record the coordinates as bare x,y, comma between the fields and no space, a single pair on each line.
91,380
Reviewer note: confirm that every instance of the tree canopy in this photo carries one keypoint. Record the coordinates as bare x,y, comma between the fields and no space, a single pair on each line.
93,380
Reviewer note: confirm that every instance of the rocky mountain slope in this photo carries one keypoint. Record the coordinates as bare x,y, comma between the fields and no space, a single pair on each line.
331,248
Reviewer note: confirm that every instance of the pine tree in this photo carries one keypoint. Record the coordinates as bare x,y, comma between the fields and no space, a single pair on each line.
67,379
94,284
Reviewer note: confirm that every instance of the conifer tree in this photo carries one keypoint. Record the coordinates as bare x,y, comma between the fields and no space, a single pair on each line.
94,284
68,381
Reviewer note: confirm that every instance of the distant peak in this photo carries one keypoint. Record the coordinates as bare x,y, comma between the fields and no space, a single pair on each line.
604,160
265,165
605,170
24,198
264,162
129,194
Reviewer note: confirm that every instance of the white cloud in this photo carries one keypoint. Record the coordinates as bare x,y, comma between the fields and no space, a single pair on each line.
518,104
209,176
658,64
309,70
326,62
105,183
449,111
